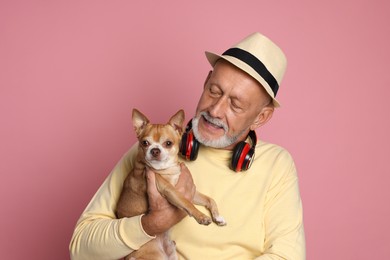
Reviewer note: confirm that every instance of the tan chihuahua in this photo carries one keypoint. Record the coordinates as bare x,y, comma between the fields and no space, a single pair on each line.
158,149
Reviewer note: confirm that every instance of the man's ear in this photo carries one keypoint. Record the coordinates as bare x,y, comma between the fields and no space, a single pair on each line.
263,117
207,78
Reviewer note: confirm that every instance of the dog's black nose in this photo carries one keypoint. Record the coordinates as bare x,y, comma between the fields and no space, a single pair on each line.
155,152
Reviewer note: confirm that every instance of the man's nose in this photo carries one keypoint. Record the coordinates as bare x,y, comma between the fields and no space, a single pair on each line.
218,109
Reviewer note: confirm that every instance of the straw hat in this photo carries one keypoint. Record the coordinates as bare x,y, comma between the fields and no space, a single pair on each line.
260,58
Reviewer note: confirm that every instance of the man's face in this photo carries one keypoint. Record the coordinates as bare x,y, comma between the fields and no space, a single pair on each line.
232,103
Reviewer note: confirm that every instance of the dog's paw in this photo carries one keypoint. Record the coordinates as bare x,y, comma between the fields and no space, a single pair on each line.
204,220
220,221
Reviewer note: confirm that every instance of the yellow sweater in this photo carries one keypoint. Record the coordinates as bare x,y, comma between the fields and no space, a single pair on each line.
262,207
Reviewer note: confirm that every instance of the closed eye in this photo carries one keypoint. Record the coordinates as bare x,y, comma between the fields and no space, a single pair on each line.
236,106
215,91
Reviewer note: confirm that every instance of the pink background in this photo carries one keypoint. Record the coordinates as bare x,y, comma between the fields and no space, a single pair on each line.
71,71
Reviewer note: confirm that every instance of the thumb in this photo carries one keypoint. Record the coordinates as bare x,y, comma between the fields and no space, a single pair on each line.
151,181
150,177
151,189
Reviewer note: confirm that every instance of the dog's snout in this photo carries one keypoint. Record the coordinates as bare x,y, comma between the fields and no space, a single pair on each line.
155,152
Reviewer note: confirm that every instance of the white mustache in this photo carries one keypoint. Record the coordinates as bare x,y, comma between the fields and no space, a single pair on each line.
214,121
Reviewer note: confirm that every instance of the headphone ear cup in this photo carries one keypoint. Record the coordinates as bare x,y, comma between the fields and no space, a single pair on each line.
242,157
195,147
248,159
189,146
237,152
183,145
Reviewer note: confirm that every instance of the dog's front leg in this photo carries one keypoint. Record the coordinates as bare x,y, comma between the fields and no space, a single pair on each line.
169,192
209,203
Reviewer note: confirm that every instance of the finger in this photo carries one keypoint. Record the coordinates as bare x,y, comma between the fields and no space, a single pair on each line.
185,183
151,185
185,176
156,201
150,178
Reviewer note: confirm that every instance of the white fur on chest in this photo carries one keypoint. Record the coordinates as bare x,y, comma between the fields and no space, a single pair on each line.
171,174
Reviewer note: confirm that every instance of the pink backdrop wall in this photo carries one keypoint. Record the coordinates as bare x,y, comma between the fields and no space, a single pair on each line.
71,71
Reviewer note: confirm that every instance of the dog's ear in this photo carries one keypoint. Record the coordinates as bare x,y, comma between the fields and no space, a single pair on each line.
177,121
139,121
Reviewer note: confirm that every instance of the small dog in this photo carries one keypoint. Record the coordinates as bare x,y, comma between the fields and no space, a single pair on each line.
158,149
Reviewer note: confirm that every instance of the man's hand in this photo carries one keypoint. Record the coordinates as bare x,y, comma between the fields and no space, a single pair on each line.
162,215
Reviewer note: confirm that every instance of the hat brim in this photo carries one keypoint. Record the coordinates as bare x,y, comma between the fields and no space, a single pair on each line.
213,58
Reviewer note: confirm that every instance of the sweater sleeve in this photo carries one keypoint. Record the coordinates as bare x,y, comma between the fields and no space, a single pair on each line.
284,237
98,233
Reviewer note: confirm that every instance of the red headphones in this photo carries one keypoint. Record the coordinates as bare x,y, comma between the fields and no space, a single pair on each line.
243,152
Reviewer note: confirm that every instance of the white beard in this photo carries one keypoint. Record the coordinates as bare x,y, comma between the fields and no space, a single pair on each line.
221,142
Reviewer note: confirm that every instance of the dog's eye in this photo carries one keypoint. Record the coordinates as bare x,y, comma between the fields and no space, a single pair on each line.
168,144
145,143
